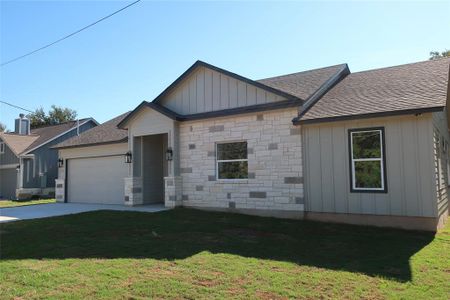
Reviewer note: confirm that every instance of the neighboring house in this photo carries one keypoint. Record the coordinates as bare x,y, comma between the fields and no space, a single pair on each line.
28,165
368,147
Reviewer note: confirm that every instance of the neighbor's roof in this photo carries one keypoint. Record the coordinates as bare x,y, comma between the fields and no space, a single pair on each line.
49,132
302,84
21,144
18,143
410,88
106,133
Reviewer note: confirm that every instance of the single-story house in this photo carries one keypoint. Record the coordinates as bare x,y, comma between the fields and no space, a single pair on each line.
28,164
326,144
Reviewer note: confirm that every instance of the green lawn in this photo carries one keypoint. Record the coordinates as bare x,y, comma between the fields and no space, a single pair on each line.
14,203
192,254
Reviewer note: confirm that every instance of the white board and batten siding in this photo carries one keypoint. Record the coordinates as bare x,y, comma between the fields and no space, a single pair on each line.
207,90
409,168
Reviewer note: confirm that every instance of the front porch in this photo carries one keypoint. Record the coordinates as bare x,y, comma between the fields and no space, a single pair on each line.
153,148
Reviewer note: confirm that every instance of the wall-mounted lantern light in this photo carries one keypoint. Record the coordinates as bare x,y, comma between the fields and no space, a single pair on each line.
60,163
128,157
169,154
18,168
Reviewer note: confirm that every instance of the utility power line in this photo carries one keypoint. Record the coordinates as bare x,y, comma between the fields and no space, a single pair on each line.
67,36
15,106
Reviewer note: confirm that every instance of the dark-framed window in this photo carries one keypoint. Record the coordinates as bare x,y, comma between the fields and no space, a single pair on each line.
367,160
2,147
231,160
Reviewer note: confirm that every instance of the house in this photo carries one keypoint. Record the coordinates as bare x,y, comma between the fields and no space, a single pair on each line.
326,144
28,164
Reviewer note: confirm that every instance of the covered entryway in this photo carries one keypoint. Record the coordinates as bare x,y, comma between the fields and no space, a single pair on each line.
154,167
8,183
97,180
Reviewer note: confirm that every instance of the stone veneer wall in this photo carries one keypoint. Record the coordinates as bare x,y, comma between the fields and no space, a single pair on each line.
133,191
275,178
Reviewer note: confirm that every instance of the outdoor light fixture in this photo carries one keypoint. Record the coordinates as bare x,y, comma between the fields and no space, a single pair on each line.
169,154
18,168
128,157
60,163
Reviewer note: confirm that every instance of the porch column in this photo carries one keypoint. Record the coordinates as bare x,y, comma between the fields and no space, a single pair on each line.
173,191
133,191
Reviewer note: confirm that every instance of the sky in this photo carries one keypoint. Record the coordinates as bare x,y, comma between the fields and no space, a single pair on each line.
133,56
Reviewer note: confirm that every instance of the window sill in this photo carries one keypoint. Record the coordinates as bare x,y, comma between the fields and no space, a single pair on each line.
232,181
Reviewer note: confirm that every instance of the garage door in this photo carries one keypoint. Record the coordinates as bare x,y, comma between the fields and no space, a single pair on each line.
96,180
8,183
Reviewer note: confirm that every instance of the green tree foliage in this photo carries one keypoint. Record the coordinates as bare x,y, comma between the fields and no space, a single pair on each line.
2,127
437,55
55,115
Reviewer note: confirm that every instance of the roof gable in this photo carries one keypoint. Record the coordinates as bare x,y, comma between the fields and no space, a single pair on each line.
18,143
206,88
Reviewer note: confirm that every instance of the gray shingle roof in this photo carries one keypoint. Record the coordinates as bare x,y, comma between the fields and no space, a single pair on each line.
106,133
46,133
21,144
302,84
422,85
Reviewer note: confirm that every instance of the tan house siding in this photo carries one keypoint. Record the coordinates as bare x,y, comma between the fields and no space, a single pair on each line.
409,168
207,90
275,169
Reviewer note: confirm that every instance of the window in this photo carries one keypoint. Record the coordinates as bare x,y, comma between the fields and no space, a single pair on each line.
232,160
2,147
367,160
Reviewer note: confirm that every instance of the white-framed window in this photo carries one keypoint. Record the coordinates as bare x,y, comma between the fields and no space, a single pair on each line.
231,160
367,160
2,147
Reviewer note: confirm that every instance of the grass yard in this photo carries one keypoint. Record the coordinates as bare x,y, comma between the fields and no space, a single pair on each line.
193,254
15,203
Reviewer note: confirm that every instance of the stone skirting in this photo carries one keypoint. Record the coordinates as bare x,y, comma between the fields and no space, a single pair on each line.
173,191
60,190
133,191
28,193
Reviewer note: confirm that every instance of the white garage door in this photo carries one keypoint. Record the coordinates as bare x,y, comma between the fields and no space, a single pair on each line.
96,180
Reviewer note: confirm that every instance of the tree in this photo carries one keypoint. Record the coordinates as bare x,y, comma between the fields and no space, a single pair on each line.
55,115
2,127
436,55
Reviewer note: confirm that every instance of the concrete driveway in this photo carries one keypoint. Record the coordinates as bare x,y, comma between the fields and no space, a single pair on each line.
60,209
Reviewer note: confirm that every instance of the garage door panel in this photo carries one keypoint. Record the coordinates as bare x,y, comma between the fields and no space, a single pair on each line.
96,180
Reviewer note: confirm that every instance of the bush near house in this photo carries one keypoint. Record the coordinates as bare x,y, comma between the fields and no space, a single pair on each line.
192,254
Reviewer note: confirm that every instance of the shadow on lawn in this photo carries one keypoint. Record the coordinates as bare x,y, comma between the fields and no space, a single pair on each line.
181,233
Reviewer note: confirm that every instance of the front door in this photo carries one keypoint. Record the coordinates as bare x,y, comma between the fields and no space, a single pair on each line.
153,168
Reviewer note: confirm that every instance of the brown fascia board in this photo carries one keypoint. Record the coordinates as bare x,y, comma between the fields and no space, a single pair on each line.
200,63
372,115
322,90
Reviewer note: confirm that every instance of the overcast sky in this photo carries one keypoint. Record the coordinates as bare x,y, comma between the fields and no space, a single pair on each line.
113,66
